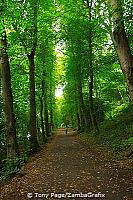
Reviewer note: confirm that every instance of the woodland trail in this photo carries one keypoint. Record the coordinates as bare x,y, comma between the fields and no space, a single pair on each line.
69,164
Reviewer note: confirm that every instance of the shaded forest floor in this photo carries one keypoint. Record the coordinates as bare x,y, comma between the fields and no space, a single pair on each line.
69,164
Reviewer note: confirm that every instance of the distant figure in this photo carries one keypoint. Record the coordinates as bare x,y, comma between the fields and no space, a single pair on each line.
66,129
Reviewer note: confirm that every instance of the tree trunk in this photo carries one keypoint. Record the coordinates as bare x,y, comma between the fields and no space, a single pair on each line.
46,121
46,117
83,114
77,108
33,129
51,106
81,105
42,120
12,148
31,56
42,111
51,118
90,71
121,44
92,113
78,121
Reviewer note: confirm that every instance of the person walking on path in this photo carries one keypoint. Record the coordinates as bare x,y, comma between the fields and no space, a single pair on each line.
66,129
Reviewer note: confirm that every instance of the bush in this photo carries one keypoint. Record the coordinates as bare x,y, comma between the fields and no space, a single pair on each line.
12,166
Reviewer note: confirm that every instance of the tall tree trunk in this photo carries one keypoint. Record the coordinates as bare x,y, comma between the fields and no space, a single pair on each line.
12,147
90,71
33,129
83,113
46,121
92,112
51,118
31,57
121,44
78,121
41,117
81,118
46,117
77,108
81,105
42,111
51,105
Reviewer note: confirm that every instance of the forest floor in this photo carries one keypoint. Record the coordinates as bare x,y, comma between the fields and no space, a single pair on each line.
71,167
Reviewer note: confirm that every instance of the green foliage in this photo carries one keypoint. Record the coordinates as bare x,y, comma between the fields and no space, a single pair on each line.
117,132
12,166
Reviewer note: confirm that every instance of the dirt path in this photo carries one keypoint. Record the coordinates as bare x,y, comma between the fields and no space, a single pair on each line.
71,167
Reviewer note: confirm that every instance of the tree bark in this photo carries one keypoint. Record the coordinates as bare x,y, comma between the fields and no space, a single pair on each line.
46,121
33,129
42,120
121,43
83,115
78,121
31,58
90,71
42,111
12,147
46,116
51,105
81,105
92,112
51,118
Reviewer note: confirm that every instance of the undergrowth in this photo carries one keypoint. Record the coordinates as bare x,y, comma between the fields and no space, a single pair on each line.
117,133
9,167
12,166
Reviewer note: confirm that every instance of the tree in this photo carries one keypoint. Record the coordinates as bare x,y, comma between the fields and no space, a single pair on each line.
31,57
121,43
90,69
28,39
12,148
